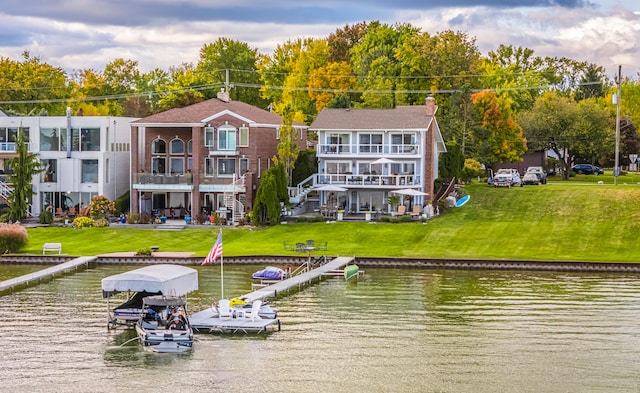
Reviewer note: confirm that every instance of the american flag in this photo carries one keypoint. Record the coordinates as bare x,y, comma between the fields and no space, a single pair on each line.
216,251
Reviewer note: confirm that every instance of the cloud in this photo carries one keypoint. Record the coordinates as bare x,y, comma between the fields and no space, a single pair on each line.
77,34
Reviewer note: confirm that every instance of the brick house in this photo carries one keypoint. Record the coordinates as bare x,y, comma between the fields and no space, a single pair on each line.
206,157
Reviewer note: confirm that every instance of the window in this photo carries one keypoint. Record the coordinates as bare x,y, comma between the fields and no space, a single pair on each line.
208,167
244,166
190,147
244,136
176,146
403,143
90,139
226,167
177,166
338,167
89,169
226,138
208,136
159,165
50,173
370,143
158,146
49,139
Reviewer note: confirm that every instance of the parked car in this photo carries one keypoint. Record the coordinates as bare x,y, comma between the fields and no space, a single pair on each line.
587,169
512,176
530,178
539,172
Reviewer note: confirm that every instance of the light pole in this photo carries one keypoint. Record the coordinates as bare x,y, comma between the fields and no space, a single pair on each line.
616,169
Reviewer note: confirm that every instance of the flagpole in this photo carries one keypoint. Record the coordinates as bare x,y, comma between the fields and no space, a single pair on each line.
221,271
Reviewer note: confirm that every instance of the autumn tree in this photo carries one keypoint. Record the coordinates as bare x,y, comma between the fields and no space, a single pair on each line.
504,142
343,40
287,147
328,81
184,89
31,87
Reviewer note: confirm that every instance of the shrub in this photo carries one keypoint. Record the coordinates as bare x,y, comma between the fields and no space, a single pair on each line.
317,218
145,218
143,251
46,217
200,218
133,218
12,238
122,203
82,222
101,222
101,206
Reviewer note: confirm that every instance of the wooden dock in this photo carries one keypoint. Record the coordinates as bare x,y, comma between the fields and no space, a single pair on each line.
297,281
207,321
45,274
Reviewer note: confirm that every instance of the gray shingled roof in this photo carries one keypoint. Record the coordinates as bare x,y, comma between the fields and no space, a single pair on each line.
197,112
401,117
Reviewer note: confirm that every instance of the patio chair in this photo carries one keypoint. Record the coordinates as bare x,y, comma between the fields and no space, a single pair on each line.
300,247
287,246
402,209
416,211
311,243
252,313
224,309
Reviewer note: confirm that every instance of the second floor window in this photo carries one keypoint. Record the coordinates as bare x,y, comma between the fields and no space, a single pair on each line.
244,136
89,171
370,143
177,146
226,138
226,167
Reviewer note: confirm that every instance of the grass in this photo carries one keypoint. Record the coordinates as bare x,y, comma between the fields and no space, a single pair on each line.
563,220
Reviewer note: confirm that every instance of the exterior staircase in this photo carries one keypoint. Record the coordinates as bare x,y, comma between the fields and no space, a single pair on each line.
5,190
236,205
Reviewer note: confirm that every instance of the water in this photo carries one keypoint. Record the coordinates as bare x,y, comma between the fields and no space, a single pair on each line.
393,330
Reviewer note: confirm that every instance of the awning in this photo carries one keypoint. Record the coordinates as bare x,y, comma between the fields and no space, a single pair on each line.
168,280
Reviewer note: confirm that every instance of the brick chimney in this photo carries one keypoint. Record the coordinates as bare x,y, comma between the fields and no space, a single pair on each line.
429,150
223,95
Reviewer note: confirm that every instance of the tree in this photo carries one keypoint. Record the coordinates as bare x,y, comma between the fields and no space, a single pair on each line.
450,165
287,147
329,81
505,141
184,88
266,207
305,166
342,40
572,130
237,61
31,80
24,167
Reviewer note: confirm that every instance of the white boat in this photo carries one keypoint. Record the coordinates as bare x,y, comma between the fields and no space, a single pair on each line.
165,325
163,279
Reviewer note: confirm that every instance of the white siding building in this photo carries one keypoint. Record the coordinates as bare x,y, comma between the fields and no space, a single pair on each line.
83,156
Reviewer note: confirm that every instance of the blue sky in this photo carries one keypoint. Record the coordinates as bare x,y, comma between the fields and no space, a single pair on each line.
79,34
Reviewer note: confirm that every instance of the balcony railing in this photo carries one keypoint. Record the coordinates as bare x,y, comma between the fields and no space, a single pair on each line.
367,149
12,147
369,180
186,179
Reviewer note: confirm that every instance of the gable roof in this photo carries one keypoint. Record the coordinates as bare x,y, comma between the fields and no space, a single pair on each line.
199,114
401,117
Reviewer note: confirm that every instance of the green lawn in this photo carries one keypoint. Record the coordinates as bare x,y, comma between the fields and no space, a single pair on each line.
575,220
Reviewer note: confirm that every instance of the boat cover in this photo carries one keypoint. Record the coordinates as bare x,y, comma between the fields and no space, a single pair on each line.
269,273
167,280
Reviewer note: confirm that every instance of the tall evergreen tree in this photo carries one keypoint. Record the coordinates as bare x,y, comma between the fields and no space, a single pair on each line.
24,167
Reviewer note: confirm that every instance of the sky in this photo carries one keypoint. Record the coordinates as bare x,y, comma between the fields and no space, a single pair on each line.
81,34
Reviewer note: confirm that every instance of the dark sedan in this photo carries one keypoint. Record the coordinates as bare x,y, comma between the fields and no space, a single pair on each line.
587,169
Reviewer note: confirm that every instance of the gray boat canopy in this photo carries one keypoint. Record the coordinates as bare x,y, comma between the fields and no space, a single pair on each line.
168,280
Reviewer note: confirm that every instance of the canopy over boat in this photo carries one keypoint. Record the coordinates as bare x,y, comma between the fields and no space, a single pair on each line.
167,280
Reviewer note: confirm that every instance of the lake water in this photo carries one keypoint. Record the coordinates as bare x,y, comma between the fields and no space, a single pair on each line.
392,330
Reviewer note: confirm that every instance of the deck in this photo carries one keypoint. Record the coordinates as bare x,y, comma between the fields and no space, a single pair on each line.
206,321
44,274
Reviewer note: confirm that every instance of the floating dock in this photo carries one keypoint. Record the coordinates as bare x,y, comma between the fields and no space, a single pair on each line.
45,274
207,321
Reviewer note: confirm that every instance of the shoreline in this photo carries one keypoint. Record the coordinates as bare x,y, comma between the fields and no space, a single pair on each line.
424,263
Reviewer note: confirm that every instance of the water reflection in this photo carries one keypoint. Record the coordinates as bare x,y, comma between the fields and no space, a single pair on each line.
393,330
